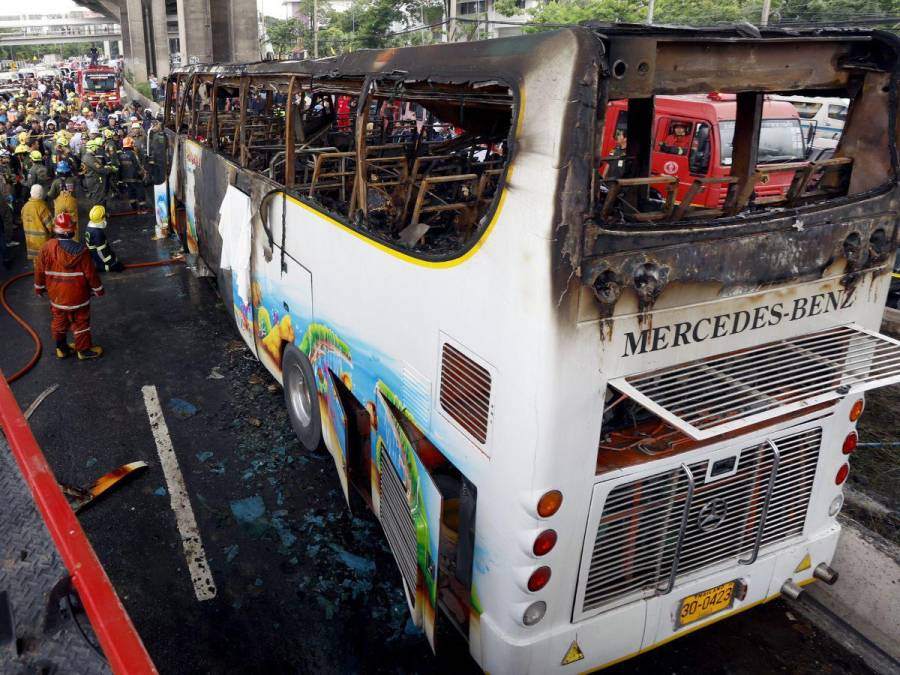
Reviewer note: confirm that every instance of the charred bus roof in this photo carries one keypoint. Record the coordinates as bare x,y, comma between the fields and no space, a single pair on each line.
614,247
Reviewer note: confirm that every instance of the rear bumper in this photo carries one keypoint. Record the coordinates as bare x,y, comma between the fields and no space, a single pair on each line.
624,632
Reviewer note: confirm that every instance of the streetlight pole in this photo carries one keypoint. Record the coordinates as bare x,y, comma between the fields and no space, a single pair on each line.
316,28
651,6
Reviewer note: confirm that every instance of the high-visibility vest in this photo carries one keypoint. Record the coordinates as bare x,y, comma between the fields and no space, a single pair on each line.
66,203
36,222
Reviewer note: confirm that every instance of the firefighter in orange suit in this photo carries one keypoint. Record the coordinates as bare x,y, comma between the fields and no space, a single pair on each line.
65,272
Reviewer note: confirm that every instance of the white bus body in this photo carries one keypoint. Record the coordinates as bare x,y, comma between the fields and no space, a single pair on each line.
396,331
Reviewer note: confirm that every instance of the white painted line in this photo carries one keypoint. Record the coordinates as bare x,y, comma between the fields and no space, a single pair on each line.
204,586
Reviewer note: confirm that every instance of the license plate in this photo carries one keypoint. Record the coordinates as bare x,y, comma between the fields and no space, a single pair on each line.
699,605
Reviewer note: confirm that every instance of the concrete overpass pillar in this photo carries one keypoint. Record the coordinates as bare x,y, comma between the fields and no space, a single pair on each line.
160,37
244,31
107,52
136,45
195,31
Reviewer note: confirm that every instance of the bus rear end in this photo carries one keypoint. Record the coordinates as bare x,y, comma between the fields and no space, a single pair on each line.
719,354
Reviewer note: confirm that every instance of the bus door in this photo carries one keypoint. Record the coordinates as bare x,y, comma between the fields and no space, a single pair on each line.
682,148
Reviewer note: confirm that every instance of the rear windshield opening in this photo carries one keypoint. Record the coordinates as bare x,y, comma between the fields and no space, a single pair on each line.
681,158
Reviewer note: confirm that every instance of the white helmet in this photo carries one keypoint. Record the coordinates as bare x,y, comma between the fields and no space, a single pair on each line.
37,192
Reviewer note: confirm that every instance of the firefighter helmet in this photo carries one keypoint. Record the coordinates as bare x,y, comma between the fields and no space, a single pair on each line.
63,225
36,156
128,142
97,215
62,167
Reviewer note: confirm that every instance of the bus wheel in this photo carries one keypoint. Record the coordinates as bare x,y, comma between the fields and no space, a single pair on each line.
301,398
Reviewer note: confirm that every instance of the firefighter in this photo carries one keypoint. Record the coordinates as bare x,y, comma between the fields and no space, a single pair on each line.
7,182
96,174
678,140
36,221
110,146
156,153
64,271
132,174
105,259
37,172
62,193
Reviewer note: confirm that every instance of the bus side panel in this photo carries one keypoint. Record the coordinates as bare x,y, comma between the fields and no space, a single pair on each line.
424,501
193,154
334,421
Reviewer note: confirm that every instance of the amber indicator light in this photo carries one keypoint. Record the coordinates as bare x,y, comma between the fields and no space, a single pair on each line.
549,503
856,410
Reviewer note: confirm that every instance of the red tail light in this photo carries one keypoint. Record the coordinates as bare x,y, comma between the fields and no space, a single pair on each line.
539,578
842,474
545,542
850,443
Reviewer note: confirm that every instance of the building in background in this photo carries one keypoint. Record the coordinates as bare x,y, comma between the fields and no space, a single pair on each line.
479,19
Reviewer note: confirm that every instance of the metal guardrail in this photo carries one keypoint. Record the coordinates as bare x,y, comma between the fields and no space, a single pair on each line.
120,641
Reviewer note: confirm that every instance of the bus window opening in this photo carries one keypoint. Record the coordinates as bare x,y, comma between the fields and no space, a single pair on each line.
676,163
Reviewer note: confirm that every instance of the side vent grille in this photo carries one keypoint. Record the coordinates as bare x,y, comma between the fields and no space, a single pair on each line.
465,392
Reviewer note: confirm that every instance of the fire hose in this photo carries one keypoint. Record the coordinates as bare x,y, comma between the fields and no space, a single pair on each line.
36,355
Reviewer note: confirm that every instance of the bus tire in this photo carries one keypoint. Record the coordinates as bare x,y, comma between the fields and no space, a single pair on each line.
301,397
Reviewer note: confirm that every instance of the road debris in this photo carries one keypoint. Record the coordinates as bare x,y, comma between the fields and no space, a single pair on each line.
80,497
40,399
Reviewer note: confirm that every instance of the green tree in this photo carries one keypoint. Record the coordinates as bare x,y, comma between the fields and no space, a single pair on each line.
566,12
283,34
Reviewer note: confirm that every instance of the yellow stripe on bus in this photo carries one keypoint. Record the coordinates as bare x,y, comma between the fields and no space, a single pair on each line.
437,264
671,638
403,256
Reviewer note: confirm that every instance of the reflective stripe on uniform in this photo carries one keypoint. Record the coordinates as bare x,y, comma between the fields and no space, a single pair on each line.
85,330
40,288
99,288
64,274
37,233
83,304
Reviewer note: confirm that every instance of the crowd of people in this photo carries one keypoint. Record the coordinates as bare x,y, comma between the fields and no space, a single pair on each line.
63,162
67,154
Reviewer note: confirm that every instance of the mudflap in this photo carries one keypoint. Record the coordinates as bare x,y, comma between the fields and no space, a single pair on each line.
334,424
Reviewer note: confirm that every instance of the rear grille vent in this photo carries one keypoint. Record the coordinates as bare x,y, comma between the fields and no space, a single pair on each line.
465,392
657,528
396,518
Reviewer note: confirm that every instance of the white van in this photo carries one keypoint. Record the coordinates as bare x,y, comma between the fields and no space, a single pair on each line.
822,119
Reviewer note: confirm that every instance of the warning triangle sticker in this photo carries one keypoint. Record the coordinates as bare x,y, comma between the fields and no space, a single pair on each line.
805,564
574,654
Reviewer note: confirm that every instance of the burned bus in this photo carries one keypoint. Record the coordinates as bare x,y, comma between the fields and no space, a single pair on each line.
590,416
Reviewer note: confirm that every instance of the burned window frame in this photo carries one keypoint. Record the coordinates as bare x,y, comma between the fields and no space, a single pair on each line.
836,176
181,110
774,246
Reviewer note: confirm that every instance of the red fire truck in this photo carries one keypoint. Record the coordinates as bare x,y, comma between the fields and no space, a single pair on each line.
96,81
692,139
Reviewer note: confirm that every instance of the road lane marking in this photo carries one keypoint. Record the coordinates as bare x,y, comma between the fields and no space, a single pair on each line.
201,577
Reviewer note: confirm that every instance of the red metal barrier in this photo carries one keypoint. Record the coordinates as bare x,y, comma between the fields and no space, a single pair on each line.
118,638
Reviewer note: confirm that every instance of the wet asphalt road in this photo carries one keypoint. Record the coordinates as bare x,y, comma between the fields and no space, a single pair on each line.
302,587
